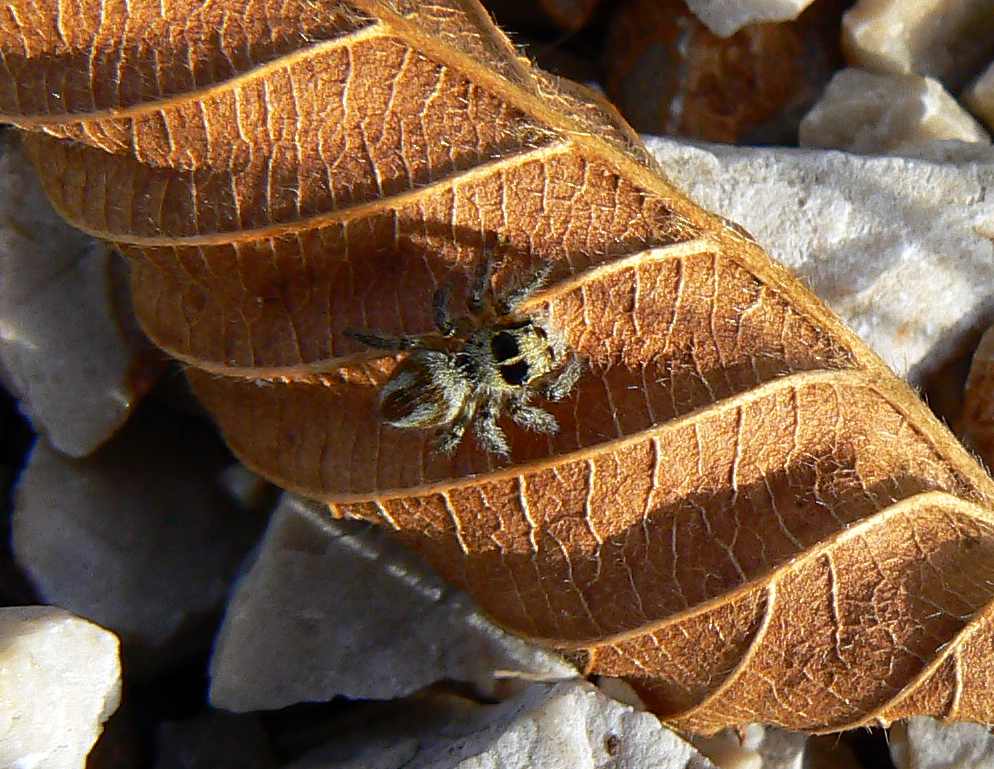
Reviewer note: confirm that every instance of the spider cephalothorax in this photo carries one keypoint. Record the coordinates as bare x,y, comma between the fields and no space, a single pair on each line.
475,368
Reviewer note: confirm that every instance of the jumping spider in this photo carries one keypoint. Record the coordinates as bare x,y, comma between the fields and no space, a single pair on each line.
476,368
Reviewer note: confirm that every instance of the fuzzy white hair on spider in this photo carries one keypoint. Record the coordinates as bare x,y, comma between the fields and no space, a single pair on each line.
475,368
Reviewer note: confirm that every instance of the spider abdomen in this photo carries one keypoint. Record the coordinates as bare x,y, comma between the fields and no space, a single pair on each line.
426,390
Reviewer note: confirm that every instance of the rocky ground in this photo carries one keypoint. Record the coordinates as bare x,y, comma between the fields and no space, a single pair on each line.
161,606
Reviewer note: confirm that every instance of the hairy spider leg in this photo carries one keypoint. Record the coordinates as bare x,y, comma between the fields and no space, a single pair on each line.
563,384
440,306
478,294
532,417
443,322
382,342
447,440
488,432
510,301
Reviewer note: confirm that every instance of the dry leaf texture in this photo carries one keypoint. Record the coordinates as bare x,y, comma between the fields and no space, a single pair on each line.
975,424
744,513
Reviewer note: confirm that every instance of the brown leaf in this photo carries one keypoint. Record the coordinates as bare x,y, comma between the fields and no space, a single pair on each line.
975,425
744,513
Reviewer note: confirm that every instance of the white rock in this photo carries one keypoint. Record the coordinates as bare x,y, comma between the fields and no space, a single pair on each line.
901,248
925,743
726,17
139,538
619,689
60,679
68,344
758,747
945,39
979,97
338,608
865,112
563,726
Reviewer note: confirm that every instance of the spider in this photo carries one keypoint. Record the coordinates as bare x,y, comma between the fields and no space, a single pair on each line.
476,367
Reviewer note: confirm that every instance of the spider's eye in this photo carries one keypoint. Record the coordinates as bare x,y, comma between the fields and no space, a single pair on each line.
515,373
504,346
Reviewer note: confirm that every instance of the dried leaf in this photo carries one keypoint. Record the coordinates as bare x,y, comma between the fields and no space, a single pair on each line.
975,424
745,514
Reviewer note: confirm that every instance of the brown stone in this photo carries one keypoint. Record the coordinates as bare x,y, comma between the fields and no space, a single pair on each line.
529,15
668,73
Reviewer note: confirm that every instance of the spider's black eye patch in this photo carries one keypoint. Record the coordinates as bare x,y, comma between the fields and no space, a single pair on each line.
515,373
504,346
